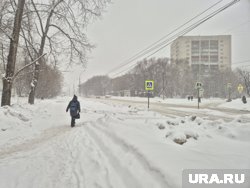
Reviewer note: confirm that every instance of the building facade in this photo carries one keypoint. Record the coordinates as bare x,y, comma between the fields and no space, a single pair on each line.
203,53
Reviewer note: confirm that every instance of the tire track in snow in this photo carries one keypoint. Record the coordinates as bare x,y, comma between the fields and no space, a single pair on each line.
96,160
87,167
60,157
73,145
145,164
125,175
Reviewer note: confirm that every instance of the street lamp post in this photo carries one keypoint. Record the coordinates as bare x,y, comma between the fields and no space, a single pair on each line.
79,88
229,87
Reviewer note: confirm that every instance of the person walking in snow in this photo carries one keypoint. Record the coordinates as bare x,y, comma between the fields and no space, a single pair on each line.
74,107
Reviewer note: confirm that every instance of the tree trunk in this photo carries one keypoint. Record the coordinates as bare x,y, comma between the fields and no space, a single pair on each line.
36,72
10,69
35,78
31,99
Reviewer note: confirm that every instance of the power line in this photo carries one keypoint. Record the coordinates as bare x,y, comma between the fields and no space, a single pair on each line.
163,44
152,45
196,25
168,41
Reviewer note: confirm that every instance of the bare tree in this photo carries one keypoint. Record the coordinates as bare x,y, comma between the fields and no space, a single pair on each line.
8,78
22,81
245,77
60,26
6,18
6,23
97,85
50,83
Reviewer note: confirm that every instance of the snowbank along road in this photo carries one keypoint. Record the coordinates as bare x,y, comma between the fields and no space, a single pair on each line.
208,110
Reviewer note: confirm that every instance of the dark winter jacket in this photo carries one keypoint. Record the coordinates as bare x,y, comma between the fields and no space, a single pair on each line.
76,102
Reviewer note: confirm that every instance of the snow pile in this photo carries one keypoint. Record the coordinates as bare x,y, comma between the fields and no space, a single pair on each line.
13,114
237,104
171,145
182,129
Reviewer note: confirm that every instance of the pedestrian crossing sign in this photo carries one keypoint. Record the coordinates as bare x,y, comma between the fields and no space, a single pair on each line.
149,85
240,88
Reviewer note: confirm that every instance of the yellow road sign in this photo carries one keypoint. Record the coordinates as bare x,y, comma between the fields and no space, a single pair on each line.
149,85
240,88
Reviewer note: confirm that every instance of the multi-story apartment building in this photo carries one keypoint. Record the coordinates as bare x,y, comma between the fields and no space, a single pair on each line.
203,53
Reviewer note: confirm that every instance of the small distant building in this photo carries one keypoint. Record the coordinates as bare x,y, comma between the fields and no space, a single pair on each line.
203,53
121,93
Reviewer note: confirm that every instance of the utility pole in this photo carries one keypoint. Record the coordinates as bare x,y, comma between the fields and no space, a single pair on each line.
163,79
229,87
79,88
198,98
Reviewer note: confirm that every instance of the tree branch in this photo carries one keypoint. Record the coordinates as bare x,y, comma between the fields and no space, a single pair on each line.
3,58
6,33
20,70
38,15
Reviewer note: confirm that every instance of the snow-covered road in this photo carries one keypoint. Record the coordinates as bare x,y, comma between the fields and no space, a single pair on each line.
208,110
112,146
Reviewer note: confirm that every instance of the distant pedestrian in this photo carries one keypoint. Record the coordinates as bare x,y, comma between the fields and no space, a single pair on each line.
74,107
244,99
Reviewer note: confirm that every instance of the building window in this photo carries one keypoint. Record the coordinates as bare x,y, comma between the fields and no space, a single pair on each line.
195,45
205,45
214,58
195,59
214,45
204,58
214,67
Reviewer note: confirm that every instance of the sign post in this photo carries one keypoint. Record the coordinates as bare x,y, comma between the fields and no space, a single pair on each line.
149,86
198,86
229,87
148,99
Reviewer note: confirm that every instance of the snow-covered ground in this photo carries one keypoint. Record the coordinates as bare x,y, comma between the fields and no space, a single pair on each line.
114,145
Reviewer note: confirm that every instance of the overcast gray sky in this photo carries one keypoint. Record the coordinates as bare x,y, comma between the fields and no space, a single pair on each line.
128,26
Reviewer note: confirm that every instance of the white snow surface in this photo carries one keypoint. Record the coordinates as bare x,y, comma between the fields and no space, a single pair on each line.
113,145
